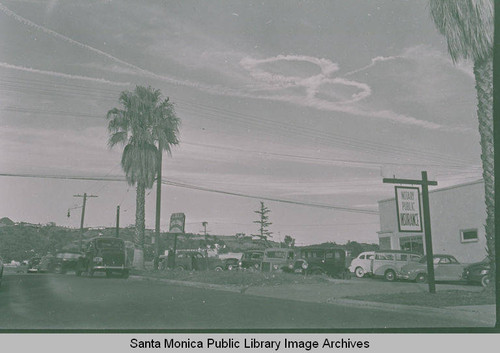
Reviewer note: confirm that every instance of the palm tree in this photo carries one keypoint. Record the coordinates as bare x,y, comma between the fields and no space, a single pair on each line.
143,120
468,28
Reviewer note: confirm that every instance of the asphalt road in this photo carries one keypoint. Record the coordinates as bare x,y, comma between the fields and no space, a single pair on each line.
49,301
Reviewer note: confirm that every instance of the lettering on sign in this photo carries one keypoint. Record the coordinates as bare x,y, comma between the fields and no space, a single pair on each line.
177,221
408,209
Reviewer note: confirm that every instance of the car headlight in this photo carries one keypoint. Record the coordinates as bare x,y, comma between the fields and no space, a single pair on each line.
275,267
239,263
484,272
97,259
304,265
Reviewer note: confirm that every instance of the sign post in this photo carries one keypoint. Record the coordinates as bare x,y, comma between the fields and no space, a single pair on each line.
409,219
177,223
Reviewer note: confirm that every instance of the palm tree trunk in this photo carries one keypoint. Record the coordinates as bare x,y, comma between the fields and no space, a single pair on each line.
140,215
483,72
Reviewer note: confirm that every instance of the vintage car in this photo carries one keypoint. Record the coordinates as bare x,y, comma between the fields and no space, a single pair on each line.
191,260
478,272
315,260
1,270
103,254
251,259
66,261
277,259
41,264
33,264
362,264
231,263
388,263
446,268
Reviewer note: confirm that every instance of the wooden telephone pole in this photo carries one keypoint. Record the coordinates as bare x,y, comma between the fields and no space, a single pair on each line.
83,215
427,221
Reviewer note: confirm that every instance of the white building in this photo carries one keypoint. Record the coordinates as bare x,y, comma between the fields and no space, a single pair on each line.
458,215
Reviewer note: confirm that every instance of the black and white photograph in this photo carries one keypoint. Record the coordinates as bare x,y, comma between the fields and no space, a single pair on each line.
247,166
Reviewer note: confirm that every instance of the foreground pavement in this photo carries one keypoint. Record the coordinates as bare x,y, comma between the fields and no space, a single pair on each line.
48,301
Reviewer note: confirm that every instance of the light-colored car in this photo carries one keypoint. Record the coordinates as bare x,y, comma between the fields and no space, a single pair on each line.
362,264
388,263
446,268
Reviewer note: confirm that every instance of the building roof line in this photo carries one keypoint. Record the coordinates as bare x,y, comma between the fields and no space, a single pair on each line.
443,189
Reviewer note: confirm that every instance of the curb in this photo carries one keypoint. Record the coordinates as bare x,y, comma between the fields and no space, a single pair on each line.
454,313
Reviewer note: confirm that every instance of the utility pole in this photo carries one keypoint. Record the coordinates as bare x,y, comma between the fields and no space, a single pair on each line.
118,221
83,214
427,221
156,245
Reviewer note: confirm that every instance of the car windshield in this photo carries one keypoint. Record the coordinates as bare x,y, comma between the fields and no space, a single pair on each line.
110,243
276,254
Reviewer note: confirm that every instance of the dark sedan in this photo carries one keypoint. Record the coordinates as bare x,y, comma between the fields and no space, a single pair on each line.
478,272
66,261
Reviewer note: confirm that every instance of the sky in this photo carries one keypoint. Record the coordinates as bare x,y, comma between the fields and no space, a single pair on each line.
304,105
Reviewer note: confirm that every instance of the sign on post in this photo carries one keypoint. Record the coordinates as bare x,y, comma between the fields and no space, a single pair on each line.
408,209
177,221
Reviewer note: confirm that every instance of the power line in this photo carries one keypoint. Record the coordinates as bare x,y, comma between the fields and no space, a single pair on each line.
252,120
199,188
299,157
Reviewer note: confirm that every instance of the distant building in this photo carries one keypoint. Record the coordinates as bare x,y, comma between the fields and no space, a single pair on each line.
458,215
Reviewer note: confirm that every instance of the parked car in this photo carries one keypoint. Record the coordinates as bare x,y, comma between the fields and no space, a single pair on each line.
277,259
446,268
478,272
388,263
251,259
330,261
191,260
1,270
66,261
41,264
103,254
231,264
362,264
33,264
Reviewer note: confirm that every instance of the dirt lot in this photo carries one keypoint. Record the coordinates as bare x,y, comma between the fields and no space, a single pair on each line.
320,288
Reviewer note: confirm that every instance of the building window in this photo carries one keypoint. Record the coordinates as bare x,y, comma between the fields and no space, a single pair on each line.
412,244
468,235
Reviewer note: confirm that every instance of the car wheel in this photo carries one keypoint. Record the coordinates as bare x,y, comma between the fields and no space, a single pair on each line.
421,278
108,274
78,273
359,272
125,274
179,269
485,280
390,275
218,269
316,272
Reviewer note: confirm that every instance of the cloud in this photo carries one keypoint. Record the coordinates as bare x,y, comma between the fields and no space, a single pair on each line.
62,75
274,81
373,62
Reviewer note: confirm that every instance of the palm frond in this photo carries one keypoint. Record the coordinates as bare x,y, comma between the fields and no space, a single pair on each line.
467,26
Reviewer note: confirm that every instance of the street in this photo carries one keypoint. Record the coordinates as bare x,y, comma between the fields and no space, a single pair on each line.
49,301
